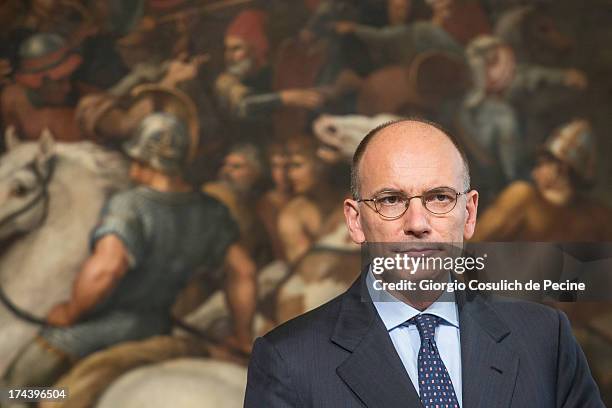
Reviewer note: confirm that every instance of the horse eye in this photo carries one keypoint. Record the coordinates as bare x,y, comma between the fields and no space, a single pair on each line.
19,190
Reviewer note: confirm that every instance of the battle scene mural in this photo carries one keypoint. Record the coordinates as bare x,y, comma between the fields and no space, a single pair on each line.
172,171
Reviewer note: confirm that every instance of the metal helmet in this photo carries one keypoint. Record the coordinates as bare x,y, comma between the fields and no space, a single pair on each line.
39,45
162,142
45,54
573,144
175,102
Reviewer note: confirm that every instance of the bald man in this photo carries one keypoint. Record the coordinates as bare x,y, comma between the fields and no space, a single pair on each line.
383,348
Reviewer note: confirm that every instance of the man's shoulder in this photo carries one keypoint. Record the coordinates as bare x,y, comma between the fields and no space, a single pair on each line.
298,204
528,319
520,190
220,193
508,308
213,203
11,97
141,194
12,91
124,199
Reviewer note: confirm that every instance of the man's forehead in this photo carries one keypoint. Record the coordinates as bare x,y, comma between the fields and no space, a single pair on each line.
410,140
409,156
410,179
236,157
232,40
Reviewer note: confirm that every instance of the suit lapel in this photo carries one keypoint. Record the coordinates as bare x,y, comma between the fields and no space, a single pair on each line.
373,371
489,366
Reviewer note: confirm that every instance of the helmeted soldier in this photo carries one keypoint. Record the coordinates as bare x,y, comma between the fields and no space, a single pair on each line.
43,95
554,207
491,121
148,242
162,142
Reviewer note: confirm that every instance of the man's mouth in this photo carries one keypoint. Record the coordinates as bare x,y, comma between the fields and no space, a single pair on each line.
418,250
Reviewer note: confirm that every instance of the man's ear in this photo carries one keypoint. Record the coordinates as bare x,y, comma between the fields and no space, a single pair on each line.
353,221
471,209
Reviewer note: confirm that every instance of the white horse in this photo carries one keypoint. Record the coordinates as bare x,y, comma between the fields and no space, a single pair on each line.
185,383
51,195
161,371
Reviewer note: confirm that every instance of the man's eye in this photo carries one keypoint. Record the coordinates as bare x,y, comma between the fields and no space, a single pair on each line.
390,200
439,197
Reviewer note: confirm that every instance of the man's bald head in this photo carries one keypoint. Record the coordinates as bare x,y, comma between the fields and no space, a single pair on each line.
408,128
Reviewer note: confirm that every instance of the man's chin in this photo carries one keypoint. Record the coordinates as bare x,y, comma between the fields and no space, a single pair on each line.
240,69
417,275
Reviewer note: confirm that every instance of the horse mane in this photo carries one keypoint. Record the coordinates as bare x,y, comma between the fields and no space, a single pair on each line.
109,166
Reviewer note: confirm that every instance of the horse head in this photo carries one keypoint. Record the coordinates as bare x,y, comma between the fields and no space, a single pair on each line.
25,172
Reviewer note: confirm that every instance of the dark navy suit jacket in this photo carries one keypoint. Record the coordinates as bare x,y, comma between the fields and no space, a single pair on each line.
514,354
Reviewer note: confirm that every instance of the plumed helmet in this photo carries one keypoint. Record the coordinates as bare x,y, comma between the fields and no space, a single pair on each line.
45,54
573,144
161,141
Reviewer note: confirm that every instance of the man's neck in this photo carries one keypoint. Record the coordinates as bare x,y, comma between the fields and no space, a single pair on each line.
420,299
167,184
418,302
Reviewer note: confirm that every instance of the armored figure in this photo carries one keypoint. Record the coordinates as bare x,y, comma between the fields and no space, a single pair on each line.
149,241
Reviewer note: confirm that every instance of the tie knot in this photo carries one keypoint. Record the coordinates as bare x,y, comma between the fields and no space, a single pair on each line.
426,325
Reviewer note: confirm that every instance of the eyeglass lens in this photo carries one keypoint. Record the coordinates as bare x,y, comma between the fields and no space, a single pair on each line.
437,201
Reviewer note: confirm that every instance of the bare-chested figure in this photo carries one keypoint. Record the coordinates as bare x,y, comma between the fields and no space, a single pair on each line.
275,199
43,95
314,210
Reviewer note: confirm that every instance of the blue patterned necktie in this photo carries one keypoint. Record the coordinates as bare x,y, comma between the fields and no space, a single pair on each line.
435,386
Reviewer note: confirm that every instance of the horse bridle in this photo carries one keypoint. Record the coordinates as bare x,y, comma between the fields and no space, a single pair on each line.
43,195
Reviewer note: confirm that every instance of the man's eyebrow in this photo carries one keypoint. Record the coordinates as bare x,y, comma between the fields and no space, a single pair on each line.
386,190
395,190
441,187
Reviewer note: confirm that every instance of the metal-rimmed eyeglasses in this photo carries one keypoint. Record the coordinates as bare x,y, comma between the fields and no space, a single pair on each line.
393,204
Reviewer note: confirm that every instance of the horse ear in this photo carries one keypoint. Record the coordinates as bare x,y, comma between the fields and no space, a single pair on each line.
46,142
11,140
46,145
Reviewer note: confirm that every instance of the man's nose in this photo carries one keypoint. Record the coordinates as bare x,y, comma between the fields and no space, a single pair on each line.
415,220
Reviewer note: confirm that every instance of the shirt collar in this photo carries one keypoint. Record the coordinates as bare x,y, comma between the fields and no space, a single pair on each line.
394,312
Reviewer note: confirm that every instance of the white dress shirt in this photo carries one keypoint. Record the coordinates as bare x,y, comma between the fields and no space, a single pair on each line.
407,340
